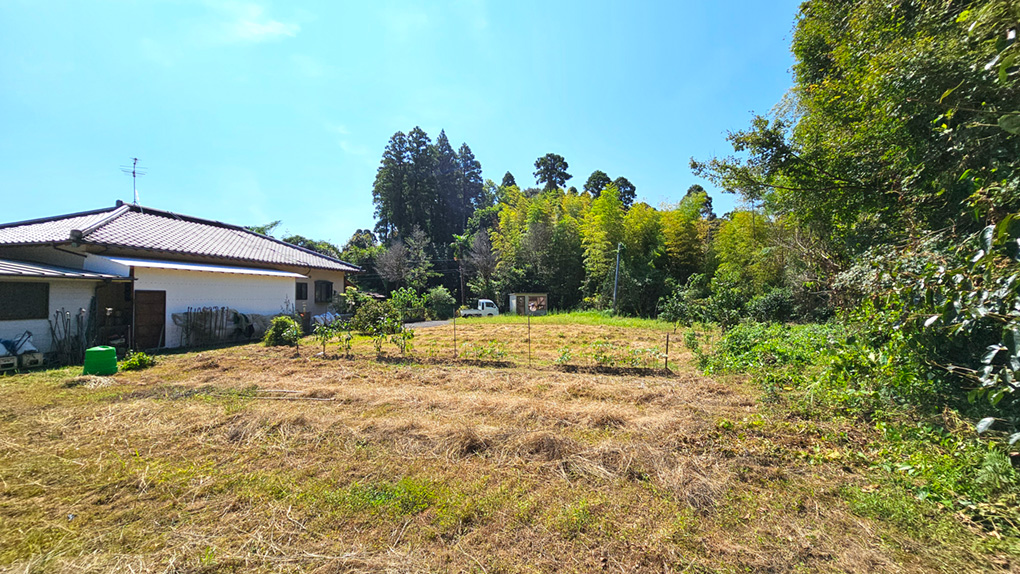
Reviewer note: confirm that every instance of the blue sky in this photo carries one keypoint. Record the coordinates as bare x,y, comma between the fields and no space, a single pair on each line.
252,111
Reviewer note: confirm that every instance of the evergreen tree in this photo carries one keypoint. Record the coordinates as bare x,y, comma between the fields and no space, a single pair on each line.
390,188
266,229
422,198
597,181
446,221
472,190
323,247
551,171
508,180
626,190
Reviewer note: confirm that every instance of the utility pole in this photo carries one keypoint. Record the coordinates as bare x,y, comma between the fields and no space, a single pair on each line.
616,282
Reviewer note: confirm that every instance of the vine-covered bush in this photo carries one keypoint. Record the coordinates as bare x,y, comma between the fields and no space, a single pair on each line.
371,313
282,331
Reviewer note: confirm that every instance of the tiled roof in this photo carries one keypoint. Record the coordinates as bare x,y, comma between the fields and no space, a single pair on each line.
10,268
136,227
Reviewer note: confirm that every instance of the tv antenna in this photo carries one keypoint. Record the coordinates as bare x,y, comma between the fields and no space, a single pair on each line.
135,172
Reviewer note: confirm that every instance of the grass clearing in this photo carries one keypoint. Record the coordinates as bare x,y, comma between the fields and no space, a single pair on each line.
201,464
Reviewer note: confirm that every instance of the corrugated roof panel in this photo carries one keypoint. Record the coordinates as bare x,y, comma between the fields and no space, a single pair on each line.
11,268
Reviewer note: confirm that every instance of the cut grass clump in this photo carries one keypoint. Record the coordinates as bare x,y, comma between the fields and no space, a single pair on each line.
404,497
231,458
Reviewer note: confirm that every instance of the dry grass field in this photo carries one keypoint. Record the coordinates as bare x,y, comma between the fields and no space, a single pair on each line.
254,459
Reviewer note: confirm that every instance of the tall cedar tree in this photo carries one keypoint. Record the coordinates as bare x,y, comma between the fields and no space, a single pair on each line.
426,186
471,186
389,192
423,200
508,180
446,220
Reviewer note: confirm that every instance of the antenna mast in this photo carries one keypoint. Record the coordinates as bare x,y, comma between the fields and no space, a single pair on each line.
135,172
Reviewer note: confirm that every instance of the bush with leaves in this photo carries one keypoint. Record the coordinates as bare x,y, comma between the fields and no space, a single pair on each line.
283,331
348,302
325,332
402,337
958,318
409,304
345,338
136,361
370,313
440,303
690,303
775,306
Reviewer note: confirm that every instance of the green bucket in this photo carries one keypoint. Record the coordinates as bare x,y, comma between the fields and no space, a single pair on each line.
100,361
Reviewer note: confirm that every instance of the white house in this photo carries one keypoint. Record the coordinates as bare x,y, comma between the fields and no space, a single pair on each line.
134,268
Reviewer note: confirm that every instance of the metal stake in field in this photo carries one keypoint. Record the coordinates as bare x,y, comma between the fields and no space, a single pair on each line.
616,281
529,338
667,352
455,336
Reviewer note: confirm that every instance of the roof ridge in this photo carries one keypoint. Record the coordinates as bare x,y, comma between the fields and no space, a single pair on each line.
56,217
241,228
78,234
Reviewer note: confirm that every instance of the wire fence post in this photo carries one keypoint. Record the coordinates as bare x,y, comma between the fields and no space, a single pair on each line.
529,339
455,336
667,352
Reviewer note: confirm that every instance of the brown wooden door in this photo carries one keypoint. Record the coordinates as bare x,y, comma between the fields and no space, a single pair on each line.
150,319
522,305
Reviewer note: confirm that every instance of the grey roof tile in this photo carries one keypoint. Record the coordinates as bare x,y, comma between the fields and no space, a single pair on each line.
137,227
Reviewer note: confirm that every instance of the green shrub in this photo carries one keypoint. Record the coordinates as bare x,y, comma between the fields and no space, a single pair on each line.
701,300
371,313
440,303
774,306
136,361
283,331
348,302
495,350
750,346
409,304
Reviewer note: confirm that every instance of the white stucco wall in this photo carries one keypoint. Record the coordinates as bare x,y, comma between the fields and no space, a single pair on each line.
68,294
245,293
310,305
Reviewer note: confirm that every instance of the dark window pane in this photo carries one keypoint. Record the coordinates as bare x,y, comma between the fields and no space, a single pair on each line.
24,301
323,291
302,292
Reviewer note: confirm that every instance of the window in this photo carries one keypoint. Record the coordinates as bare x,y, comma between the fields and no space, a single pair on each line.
24,301
302,292
323,291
